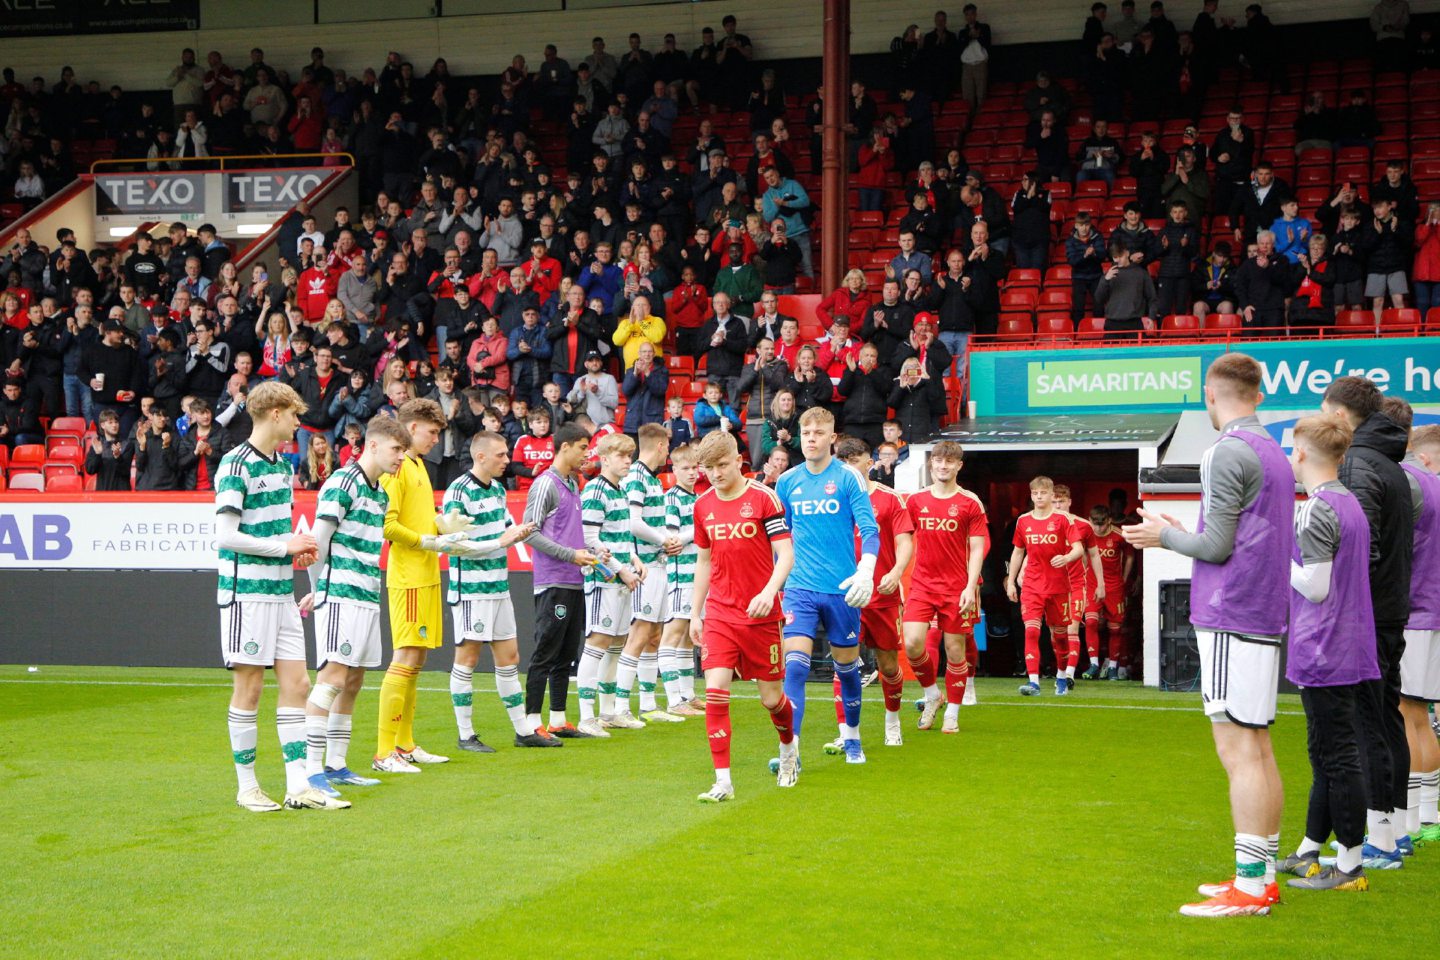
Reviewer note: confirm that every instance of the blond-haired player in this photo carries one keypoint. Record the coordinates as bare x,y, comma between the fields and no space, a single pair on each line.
605,515
259,620
677,653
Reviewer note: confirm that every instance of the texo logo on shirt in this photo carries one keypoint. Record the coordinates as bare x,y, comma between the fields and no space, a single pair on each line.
810,508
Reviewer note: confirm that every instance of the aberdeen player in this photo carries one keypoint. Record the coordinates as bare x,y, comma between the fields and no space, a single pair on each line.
1117,562
880,619
1047,543
743,555
950,542
1085,585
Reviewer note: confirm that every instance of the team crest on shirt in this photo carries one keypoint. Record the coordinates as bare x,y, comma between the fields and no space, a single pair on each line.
423,631
954,510
345,649
560,611
252,648
746,511
830,489
606,621
789,618
649,608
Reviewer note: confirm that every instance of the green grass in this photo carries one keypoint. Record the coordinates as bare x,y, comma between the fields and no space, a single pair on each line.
1046,828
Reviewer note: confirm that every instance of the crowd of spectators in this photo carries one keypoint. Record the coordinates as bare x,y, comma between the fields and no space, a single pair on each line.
522,296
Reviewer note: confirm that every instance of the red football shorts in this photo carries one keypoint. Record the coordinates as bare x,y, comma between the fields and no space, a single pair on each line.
1053,608
945,613
752,650
880,626
1112,608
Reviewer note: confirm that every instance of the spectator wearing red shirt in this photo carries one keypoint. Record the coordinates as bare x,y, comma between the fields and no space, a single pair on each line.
1427,261
542,271
534,451
850,300
876,162
688,306
306,127
316,287
834,353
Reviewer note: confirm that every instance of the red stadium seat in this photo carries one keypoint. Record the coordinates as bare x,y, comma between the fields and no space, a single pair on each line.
1015,327
1401,319
27,458
1220,323
1058,274
1355,319
1022,277
1180,325
62,427
680,365
54,470
1091,328
1055,326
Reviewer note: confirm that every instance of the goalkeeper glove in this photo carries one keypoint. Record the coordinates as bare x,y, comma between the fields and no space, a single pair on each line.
860,587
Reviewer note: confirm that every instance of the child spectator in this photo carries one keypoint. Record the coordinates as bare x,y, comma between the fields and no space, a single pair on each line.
1179,250
713,413
110,455
533,452
554,404
681,432
1126,293
1347,251
1211,282
1386,245
1085,254
1292,234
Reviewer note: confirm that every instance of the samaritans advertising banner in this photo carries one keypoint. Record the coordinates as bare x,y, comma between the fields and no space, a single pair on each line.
1165,379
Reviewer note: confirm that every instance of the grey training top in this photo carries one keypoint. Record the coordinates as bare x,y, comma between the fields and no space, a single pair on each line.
1417,498
1230,480
1317,528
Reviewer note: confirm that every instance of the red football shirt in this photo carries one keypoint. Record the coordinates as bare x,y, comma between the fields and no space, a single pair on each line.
738,534
893,519
533,452
1113,551
943,528
1043,540
1081,572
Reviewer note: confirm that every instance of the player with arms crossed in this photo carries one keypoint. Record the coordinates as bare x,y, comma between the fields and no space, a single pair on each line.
1420,663
677,657
605,514
1045,543
1117,563
412,579
826,501
1330,654
743,555
259,621
345,580
641,656
951,538
1241,550
1086,584
880,620
479,593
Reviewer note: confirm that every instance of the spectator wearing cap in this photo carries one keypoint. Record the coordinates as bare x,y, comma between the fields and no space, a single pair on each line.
529,352
596,390
111,368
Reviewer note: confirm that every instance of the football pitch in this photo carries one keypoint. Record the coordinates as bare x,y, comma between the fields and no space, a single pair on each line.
1053,827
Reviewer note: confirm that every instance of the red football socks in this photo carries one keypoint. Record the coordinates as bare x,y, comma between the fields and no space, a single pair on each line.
956,676
782,715
717,725
893,687
923,668
1032,648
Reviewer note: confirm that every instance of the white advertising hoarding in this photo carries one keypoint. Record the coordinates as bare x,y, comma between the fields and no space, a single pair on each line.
72,535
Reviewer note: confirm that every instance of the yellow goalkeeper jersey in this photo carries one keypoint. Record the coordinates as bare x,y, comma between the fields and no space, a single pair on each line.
411,515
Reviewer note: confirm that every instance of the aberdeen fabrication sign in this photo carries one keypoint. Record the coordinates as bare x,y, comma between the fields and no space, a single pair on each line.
1166,379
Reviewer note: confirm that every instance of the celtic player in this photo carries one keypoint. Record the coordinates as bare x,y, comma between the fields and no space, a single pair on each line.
259,620
677,653
646,495
479,593
605,515
349,533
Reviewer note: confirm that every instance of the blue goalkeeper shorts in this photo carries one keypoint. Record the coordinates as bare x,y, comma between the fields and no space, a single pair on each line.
805,610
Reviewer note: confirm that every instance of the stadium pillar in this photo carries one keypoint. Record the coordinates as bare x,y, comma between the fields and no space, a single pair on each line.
834,168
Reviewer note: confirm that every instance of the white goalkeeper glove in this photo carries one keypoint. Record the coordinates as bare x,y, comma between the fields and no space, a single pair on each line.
860,587
452,522
451,544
